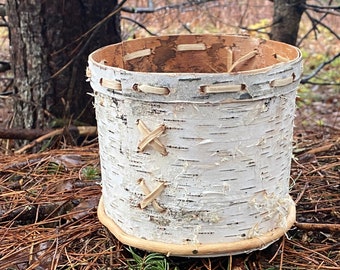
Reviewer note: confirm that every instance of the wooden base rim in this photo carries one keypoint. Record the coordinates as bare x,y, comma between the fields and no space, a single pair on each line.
197,250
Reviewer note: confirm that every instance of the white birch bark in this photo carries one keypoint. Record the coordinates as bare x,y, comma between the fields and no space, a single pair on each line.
227,163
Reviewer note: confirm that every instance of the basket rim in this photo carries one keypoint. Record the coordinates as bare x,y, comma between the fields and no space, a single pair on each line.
197,250
233,73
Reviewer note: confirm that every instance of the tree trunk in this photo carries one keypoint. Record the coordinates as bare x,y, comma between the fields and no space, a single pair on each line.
287,16
49,57
29,62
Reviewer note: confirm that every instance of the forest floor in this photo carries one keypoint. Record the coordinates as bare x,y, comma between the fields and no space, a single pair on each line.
48,200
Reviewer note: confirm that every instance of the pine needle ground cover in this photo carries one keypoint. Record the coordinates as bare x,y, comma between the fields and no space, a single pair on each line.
48,205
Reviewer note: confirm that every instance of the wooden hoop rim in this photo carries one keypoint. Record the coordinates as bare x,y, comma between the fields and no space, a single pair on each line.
199,250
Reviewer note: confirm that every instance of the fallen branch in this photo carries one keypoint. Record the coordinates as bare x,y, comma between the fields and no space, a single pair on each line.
318,227
81,130
301,194
323,148
31,134
39,140
324,167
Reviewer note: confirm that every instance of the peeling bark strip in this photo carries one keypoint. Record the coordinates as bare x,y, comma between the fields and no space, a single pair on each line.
283,81
242,59
221,88
137,54
111,84
191,47
228,136
151,89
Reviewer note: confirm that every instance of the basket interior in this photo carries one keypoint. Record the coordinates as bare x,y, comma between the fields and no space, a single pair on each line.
195,54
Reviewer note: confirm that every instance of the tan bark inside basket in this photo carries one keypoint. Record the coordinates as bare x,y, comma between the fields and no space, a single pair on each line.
195,137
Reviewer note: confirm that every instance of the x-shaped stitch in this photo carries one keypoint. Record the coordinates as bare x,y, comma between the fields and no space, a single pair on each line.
151,196
151,138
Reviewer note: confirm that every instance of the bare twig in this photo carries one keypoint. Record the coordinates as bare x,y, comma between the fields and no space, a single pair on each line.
282,252
301,193
318,227
306,79
310,30
152,9
139,24
243,15
321,9
321,83
93,31
277,252
322,148
316,22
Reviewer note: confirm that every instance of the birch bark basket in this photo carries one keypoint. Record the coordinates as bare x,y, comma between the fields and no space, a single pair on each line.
195,137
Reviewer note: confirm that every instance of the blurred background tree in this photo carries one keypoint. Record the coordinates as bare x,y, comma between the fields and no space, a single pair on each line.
50,42
286,20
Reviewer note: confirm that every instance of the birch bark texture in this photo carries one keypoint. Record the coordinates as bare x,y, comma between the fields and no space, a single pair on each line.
195,136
